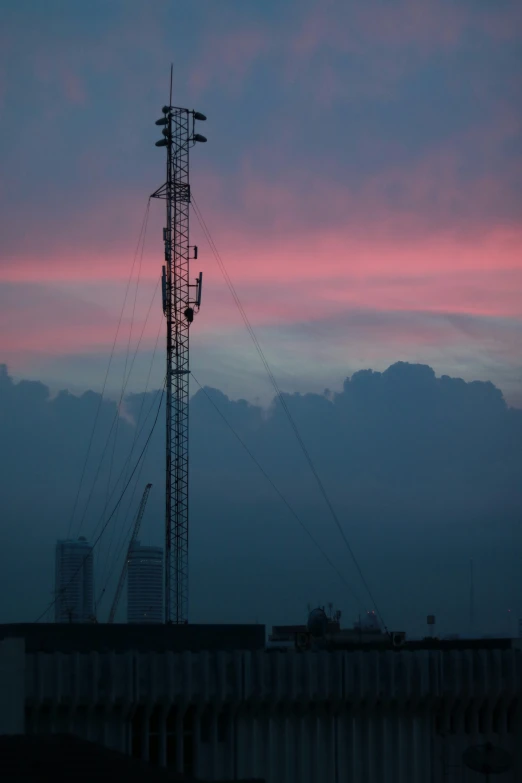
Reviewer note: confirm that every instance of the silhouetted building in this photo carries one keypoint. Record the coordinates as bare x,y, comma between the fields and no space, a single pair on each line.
74,582
368,713
145,584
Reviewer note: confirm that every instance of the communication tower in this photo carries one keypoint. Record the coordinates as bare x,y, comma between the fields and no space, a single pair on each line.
181,299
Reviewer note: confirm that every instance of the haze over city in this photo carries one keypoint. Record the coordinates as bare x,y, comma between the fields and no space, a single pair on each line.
361,182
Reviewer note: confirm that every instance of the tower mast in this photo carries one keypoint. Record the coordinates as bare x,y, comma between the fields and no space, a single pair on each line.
181,299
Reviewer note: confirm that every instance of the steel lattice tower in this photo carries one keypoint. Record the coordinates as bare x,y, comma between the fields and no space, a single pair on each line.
180,300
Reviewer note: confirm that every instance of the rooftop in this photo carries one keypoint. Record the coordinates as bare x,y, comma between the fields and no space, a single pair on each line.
101,637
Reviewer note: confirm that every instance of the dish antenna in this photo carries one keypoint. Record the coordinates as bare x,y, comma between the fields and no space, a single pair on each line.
487,759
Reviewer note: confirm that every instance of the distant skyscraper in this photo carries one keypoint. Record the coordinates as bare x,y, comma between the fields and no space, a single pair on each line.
74,582
145,584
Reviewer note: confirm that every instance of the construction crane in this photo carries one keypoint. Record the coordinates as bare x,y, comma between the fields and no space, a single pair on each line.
135,531
181,299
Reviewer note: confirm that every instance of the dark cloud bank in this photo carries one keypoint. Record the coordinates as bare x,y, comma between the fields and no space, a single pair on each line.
424,472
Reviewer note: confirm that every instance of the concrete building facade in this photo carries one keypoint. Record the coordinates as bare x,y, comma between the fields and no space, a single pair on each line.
145,584
74,581
389,716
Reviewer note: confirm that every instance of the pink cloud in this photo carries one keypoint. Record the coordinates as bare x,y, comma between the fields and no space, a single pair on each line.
349,261
60,328
494,293
320,292
411,240
43,319
85,243
376,245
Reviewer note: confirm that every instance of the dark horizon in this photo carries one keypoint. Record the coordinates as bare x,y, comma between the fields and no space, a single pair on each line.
422,471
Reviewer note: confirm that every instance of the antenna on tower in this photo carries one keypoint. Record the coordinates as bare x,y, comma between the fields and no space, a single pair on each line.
180,302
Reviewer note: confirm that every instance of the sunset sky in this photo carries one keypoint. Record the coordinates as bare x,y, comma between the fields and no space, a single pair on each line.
362,181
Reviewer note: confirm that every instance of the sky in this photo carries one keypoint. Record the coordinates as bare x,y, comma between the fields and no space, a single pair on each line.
362,182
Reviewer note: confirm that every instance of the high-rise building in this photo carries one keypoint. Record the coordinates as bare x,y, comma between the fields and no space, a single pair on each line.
74,581
145,584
